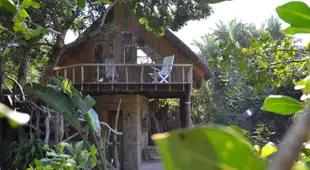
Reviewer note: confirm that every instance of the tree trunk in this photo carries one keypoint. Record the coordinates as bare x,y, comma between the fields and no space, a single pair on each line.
23,70
1,79
58,49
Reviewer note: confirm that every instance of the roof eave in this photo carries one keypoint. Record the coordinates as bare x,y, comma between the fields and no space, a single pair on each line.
190,53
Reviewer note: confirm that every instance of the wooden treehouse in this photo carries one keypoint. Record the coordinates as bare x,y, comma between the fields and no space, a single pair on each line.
135,68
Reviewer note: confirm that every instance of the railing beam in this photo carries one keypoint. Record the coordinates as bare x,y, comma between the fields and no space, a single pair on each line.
174,77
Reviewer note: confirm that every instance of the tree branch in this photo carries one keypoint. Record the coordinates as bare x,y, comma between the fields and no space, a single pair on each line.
76,13
43,44
88,33
56,22
287,62
20,87
289,150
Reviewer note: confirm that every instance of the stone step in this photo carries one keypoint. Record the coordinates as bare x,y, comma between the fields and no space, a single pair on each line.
150,154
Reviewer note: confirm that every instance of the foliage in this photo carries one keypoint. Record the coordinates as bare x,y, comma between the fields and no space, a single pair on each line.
14,117
261,135
282,104
211,147
297,15
23,154
67,101
249,63
217,147
65,156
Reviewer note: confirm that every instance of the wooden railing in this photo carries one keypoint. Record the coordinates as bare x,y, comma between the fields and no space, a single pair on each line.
93,73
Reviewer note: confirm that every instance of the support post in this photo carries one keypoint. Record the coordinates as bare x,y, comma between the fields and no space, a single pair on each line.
185,110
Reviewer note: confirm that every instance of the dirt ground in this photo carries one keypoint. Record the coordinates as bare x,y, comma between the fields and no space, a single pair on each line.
155,165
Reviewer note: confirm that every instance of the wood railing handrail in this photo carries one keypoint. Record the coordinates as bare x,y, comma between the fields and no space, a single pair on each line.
120,64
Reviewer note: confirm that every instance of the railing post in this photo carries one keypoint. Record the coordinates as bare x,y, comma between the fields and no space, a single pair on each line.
191,77
98,73
82,78
73,75
183,77
142,73
65,73
113,73
126,73
170,75
97,77
183,74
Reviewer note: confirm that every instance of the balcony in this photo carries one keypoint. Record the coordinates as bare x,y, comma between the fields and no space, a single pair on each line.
128,78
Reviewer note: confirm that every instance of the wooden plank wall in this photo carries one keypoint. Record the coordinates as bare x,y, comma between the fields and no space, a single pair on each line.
161,45
81,54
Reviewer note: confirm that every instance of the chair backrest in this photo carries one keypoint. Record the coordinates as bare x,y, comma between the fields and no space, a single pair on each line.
109,68
167,65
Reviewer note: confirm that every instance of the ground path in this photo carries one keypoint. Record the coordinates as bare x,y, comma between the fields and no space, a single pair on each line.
154,165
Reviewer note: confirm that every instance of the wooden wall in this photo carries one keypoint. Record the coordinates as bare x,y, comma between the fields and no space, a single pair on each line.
162,45
81,54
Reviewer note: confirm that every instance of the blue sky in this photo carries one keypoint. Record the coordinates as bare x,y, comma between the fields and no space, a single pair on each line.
251,11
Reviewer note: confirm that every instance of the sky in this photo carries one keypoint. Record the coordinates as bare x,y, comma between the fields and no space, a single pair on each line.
249,11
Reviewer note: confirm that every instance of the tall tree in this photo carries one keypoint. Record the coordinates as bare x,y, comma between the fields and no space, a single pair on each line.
248,64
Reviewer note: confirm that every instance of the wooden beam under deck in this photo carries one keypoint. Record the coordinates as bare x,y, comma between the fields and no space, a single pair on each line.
150,90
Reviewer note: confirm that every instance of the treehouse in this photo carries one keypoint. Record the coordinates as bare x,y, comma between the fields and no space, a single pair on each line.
136,67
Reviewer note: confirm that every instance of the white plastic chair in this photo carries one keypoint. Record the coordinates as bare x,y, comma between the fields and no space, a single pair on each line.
163,74
110,70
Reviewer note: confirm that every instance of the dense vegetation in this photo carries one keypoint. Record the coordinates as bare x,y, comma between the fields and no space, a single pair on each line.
249,65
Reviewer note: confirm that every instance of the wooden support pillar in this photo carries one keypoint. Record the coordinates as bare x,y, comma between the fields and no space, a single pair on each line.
185,110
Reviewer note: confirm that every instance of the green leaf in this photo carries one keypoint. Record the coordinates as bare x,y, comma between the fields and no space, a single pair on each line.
85,106
79,147
303,84
81,3
23,13
210,147
89,101
269,149
9,6
45,147
26,3
237,129
93,150
35,5
295,30
52,154
104,1
299,166
37,163
296,13
64,156
93,162
15,118
282,105
57,100
5,51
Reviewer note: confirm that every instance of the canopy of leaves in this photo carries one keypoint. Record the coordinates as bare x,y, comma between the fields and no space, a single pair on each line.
249,64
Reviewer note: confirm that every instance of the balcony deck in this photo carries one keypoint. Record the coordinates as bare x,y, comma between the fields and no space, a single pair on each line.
131,79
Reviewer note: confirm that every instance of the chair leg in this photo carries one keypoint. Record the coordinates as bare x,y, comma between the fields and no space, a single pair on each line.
164,79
